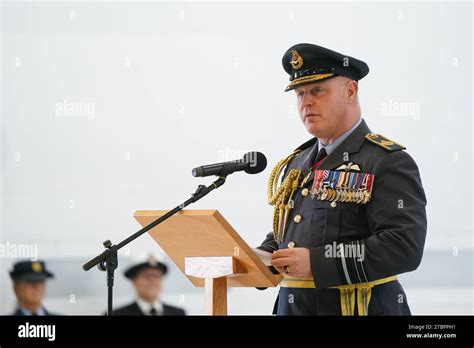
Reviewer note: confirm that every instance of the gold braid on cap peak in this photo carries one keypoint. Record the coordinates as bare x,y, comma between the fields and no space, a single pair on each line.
310,78
282,197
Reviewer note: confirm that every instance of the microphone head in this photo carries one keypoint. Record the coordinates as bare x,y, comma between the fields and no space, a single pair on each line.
257,162
198,172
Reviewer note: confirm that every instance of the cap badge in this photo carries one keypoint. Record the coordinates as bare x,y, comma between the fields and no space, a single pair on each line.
152,261
296,60
37,267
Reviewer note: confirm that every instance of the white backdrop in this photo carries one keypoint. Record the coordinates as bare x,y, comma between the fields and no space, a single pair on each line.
107,106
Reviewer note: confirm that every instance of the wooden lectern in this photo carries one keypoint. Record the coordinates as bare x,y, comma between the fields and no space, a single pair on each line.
209,252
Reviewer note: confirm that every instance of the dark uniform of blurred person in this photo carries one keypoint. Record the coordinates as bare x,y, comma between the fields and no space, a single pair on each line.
147,280
29,284
350,208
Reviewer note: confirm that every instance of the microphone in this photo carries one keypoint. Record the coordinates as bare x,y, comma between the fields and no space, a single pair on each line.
252,163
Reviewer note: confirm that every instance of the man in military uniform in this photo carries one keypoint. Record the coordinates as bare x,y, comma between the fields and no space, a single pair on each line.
29,284
147,280
350,209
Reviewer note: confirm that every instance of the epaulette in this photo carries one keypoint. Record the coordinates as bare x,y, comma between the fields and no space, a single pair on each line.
381,141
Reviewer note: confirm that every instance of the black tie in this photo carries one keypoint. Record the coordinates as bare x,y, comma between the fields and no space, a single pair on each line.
153,311
321,154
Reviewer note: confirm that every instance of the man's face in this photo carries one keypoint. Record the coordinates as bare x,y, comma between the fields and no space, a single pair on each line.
147,283
30,294
323,105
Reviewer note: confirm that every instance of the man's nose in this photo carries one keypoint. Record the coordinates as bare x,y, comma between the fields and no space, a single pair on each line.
306,101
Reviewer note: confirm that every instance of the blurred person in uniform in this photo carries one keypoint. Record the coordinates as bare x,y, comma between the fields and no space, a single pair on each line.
29,284
147,278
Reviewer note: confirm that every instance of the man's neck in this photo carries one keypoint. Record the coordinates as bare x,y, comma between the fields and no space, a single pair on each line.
150,301
330,140
29,306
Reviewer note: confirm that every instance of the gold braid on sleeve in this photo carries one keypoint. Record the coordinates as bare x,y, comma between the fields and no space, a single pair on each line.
282,197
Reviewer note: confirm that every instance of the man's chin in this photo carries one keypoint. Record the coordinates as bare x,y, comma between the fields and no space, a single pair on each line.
314,131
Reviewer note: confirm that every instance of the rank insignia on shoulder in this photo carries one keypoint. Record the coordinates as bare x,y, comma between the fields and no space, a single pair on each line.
387,144
342,186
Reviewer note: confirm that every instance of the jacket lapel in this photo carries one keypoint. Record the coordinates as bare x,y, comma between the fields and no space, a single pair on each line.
304,161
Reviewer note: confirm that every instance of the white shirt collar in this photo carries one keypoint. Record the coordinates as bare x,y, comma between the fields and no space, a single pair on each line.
40,311
146,307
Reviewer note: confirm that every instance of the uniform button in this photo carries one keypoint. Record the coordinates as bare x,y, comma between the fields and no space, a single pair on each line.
297,218
305,192
333,204
291,245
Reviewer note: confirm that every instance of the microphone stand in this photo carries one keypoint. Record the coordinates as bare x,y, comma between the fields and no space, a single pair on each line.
108,260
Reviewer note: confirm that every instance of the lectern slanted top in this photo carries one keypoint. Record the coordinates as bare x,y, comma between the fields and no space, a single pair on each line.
206,233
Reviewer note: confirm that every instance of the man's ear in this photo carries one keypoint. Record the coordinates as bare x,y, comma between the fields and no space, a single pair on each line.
15,287
352,90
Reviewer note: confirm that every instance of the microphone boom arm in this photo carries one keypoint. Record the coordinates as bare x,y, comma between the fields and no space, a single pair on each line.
108,259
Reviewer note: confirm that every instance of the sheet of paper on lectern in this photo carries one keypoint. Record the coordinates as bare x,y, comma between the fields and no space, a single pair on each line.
265,256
